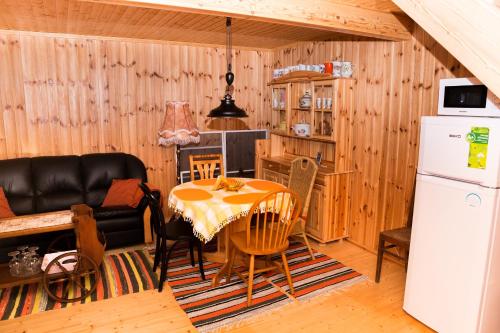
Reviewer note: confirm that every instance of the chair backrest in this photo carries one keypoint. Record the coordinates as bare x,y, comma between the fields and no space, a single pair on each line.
206,165
271,220
303,172
157,217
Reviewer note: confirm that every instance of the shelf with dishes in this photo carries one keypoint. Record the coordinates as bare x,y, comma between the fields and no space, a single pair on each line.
317,138
318,124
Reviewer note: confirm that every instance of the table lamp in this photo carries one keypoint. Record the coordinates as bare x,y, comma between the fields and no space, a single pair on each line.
178,129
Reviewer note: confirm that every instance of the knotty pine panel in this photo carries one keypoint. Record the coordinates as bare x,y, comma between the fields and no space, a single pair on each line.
74,95
395,84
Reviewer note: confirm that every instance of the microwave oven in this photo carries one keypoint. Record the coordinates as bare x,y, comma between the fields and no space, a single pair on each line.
466,97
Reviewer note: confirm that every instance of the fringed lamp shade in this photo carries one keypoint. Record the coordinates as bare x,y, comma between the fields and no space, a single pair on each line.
178,127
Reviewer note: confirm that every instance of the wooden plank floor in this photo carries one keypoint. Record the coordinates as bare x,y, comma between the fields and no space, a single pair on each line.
365,307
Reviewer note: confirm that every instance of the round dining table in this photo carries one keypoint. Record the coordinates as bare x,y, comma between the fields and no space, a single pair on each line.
211,211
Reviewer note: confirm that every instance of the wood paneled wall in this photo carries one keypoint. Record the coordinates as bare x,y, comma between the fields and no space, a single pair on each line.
395,84
74,95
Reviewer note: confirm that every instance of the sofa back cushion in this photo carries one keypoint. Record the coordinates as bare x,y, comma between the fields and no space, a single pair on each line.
16,181
57,181
99,170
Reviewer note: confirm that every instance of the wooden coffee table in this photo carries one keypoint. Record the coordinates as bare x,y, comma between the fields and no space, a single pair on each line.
30,225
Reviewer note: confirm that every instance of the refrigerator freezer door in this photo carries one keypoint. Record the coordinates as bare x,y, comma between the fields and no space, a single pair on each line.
445,150
449,253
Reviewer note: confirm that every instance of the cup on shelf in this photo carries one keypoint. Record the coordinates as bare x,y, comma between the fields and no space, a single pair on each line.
337,68
346,69
329,103
328,67
282,125
325,103
275,102
318,103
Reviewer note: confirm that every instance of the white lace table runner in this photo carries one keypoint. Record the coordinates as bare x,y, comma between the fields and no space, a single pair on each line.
35,221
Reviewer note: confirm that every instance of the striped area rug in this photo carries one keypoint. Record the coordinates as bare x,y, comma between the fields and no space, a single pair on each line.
121,274
212,308
313,277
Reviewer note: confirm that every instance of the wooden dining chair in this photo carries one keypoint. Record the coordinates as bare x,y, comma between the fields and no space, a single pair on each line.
176,230
303,172
206,165
395,238
267,227
400,238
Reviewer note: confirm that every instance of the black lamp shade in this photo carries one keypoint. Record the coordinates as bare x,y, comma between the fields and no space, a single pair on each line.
227,109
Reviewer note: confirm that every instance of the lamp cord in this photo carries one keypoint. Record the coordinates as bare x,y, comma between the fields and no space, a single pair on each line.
229,44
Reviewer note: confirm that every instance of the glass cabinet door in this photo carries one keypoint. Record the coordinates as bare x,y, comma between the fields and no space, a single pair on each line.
323,108
301,103
279,106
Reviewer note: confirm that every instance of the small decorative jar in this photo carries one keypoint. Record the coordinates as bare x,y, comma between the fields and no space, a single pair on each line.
305,101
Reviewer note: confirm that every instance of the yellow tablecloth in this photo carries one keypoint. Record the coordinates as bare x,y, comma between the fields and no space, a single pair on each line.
209,211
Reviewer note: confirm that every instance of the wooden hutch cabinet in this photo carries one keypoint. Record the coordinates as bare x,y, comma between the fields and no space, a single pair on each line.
330,116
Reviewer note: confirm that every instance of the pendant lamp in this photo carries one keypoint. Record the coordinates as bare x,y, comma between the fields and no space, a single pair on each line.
227,107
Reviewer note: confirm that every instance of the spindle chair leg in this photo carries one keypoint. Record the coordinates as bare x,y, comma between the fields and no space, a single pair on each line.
164,264
287,272
200,259
165,260
308,245
158,252
250,279
230,264
191,252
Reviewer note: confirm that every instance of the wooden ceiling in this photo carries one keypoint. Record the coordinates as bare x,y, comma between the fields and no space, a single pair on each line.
116,19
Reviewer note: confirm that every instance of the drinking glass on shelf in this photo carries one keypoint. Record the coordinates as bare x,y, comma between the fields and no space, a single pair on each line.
14,263
329,103
34,261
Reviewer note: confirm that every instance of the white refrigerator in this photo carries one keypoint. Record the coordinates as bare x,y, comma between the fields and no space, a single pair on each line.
453,278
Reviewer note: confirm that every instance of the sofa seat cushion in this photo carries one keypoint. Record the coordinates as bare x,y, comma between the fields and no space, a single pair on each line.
111,212
120,223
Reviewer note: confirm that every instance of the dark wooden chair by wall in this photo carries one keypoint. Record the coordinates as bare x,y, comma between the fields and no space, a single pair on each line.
399,237
176,230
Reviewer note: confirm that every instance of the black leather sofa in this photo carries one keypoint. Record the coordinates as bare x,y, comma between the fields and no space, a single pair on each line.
51,183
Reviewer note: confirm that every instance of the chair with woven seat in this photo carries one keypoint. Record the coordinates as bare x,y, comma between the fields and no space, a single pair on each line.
303,172
176,230
205,165
267,228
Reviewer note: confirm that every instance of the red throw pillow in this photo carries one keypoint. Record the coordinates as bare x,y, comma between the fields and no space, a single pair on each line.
122,193
5,210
